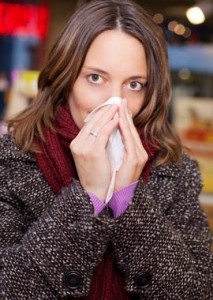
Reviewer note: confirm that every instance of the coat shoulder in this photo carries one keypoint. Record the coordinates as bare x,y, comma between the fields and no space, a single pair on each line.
185,166
10,151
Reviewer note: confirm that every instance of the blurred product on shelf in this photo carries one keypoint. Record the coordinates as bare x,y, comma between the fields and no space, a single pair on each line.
194,123
3,128
23,90
4,87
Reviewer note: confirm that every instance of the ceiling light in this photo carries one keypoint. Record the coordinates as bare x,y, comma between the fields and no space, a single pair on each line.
187,33
179,29
184,74
195,15
158,18
198,13
171,25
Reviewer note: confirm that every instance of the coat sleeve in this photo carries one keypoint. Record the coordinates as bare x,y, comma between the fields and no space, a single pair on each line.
56,254
162,242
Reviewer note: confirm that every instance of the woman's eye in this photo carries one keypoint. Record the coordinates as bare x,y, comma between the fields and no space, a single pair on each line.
136,86
95,78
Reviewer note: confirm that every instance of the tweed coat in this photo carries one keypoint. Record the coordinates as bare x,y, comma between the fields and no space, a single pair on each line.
50,244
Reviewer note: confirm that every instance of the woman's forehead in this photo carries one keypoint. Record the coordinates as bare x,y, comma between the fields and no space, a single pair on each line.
114,48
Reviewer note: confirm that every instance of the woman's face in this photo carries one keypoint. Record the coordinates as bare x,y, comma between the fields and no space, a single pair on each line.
115,65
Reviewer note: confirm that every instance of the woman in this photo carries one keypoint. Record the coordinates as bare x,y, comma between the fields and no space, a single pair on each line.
59,239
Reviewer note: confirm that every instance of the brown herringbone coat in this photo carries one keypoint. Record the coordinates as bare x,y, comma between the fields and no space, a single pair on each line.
161,243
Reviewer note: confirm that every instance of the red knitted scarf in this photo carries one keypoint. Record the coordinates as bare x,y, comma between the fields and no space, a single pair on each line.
58,168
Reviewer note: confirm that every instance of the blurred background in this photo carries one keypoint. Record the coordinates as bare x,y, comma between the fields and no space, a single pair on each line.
29,27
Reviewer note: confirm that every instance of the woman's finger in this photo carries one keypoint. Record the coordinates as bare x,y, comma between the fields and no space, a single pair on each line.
127,136
139,146
100,119
132,126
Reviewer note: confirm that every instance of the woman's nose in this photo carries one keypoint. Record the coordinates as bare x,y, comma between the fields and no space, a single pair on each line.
117,91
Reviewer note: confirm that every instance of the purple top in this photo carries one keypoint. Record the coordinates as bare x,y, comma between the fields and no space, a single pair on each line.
118,203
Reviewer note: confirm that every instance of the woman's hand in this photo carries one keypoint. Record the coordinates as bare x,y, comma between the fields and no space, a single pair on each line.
89,152
135,156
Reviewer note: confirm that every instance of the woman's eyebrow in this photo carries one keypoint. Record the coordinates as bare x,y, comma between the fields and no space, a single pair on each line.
94,69
135,77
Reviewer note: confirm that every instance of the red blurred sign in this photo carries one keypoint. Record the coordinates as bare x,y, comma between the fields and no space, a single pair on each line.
24,20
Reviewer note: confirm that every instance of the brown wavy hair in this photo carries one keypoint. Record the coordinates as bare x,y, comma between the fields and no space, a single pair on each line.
66,59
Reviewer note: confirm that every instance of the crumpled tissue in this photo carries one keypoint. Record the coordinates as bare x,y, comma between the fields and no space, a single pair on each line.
115,146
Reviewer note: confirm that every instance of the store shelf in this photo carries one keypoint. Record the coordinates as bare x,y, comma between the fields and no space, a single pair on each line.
206,199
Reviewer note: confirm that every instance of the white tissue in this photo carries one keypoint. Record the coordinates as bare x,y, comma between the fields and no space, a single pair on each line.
115,146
